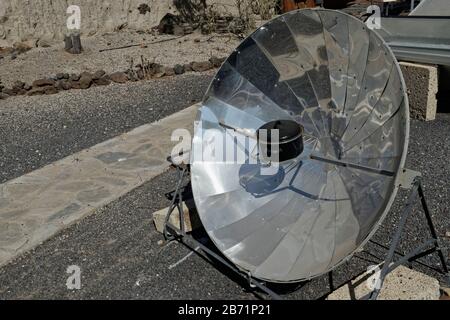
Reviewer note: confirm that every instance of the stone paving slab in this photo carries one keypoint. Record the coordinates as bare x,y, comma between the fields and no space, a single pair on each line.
401,284
35,206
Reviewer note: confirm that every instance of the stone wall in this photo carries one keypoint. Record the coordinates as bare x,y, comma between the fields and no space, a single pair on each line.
33,20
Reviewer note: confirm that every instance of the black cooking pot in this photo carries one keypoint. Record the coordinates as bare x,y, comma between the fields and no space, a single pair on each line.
289,144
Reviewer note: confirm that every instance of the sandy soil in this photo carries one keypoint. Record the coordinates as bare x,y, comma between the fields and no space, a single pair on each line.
44,62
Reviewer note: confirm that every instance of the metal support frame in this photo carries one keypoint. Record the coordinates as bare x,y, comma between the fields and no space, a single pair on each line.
426,248
172,232
409,180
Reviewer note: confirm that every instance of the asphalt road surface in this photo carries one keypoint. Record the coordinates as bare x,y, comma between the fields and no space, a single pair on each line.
121,256
35,131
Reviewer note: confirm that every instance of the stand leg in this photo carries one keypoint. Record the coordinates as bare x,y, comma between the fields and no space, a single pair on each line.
420,251
434,233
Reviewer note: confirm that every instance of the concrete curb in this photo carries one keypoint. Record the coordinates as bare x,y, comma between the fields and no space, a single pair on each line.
422,82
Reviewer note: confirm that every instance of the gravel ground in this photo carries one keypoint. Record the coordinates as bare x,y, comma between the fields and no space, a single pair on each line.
35,131
121,256
44,62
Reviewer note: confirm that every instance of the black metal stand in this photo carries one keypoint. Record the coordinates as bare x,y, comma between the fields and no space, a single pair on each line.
430,246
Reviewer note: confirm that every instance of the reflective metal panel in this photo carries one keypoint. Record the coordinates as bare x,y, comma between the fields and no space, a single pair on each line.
328,72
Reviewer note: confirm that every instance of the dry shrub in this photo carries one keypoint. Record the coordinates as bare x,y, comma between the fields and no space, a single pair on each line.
265,8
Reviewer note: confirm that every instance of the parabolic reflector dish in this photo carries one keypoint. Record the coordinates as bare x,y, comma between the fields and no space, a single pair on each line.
338,80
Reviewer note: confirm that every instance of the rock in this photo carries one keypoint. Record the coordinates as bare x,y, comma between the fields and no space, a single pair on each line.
187,68
62,85
118,77
13,56
178,30
43,43
216,62
27,86
85,73
144,8
3,96
168,71
9,92
103,81
60,76
43,82
66,84
51,90
18,91
159,75
178,69
18,85
74,77
42,90
98,74
58,85
156,68
75,84
21,47
201,66
85,80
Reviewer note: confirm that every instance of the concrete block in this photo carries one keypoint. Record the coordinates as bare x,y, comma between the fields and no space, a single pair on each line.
191,219
401,284
422,83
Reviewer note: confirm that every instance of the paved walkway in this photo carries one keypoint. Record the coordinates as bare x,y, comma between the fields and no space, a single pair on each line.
37,205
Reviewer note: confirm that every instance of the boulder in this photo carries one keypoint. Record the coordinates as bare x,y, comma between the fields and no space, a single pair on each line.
118,77
43,43
216,62
66,84
179,69
86,79
61,76
74,77
201,66
19,91
103,81
168,71
187,67
42,90
98,74
75,84
9,92
43,82
18,85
